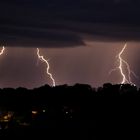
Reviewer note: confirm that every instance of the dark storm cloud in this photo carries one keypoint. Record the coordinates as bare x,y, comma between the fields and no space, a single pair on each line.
26,36
64,23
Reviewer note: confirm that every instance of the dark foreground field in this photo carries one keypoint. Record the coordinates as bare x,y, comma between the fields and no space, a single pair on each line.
71,112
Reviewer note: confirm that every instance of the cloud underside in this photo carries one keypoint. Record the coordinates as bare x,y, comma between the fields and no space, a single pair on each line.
67,35
68,24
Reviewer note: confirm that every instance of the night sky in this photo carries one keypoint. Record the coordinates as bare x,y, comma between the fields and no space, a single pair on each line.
81,39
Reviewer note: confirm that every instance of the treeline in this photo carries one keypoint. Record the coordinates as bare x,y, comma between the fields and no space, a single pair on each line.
78,111
22,98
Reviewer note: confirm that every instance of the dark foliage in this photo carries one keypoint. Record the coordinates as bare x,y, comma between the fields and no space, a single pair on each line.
70,112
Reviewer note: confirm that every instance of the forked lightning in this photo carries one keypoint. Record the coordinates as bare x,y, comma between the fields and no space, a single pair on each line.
2,50
41,57
126,78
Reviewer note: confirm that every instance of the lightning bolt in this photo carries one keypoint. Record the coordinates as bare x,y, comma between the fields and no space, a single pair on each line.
2,50
41,57
126,78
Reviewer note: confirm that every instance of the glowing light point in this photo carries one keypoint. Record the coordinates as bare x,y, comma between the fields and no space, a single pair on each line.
41,57
34,112
126,78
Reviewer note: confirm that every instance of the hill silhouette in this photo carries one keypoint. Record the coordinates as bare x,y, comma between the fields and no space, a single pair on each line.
78,111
